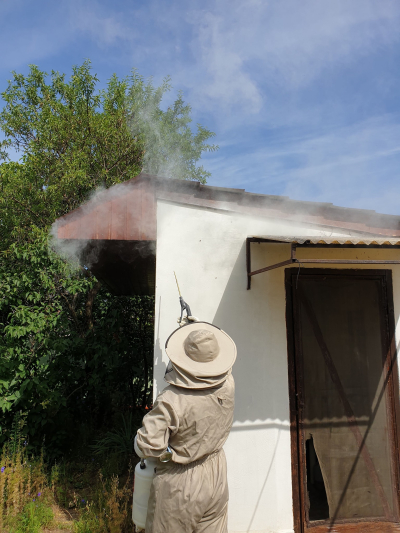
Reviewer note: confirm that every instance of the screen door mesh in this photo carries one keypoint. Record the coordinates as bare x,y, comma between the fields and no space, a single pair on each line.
344,396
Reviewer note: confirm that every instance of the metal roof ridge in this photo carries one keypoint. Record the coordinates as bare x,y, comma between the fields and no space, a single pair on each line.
284,199
261,201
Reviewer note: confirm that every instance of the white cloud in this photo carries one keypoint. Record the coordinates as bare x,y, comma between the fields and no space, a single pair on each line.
230,55
353,166
32,35
255,71
245,49
99,24
227,81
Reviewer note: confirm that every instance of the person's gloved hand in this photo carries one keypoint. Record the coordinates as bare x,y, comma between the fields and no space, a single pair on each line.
138,451
187,320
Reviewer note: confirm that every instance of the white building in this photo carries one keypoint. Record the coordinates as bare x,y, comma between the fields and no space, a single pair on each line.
314,444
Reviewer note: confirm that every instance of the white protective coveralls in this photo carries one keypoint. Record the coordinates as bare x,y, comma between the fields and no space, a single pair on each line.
193,416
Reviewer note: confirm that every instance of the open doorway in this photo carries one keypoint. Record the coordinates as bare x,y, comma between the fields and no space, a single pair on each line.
343,407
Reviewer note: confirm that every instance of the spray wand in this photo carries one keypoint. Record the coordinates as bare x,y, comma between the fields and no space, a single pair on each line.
184,305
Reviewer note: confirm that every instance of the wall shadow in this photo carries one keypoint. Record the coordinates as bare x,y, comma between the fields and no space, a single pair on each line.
255,319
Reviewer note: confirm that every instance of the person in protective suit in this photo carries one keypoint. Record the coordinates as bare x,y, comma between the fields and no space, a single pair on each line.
191,419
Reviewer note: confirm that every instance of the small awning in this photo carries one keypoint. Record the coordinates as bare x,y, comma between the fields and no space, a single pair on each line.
115,235
356,240
322,241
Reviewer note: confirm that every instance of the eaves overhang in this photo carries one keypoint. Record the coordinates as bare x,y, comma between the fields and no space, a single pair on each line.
318,241
117,230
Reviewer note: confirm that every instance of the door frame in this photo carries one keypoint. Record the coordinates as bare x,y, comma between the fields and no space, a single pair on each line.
299,489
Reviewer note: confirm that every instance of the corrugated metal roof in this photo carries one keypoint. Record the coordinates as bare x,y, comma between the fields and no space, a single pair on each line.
121,213
90,221
356,240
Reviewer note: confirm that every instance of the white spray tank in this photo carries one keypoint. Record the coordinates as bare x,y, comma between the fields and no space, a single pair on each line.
144,474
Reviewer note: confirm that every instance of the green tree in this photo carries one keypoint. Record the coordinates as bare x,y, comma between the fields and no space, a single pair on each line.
171,148
73,138
72,355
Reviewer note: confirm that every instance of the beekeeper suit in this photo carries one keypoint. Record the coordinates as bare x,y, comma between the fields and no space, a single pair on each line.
192,416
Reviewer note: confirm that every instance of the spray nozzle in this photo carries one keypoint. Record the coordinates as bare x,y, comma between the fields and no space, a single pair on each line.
184,305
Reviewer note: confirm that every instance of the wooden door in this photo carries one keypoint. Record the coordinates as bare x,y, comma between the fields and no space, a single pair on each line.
344,400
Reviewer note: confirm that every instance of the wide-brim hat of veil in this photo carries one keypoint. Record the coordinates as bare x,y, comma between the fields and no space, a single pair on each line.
201,349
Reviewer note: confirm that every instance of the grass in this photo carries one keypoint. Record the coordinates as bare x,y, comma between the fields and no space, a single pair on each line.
33,518
25,489
110,511
82,496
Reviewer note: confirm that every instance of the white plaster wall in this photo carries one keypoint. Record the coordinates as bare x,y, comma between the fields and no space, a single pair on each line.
206,249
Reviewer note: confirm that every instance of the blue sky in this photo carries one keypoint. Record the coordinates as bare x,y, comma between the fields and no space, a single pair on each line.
303,95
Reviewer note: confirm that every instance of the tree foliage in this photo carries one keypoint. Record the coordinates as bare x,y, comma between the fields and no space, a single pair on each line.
171,148
73,138
72,355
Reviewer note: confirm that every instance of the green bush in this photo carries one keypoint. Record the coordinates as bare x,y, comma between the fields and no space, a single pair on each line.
72,355
119,441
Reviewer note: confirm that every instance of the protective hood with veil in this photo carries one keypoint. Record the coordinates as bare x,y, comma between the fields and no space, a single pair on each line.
199,358
192,416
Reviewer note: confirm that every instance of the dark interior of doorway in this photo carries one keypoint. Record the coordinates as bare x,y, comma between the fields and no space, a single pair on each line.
318,501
